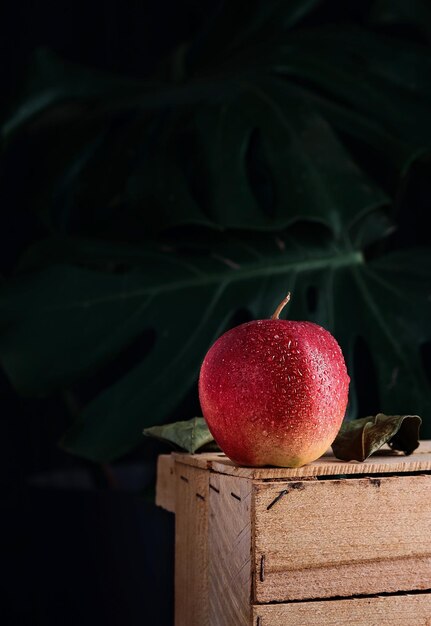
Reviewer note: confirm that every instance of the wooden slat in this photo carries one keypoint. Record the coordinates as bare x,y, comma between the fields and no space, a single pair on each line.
403,610
204,460
342,537
165,484
384,462
191,546
229,550
327,465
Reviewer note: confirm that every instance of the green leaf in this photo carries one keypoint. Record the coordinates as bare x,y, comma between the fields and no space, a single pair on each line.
414,12
190,435
259,152
360,438
241,24
379,87
306,165
309,173
72,316
253,126
398,152
52,81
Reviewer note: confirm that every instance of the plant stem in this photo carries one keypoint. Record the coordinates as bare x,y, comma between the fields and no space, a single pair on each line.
278,310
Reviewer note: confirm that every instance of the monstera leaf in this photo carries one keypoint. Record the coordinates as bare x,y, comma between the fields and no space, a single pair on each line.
242,169
244,128
66,319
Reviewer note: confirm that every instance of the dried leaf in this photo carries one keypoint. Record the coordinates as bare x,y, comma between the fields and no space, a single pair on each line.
190,435
360,438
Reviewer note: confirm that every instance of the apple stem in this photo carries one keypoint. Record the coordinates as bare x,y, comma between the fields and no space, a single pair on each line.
280,307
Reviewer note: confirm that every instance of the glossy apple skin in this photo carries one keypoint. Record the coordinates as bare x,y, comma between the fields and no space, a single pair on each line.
274,392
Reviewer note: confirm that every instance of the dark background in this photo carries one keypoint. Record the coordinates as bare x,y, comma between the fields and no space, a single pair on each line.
84,543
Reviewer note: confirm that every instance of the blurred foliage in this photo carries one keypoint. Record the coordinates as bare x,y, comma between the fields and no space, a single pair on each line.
270,152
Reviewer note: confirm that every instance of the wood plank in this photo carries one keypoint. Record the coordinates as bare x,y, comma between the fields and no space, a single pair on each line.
386,461
165,483
395,464
191,546
401,610
204,460
230,550
343,537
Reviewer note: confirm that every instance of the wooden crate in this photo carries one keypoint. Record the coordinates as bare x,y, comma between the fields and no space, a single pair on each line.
330,543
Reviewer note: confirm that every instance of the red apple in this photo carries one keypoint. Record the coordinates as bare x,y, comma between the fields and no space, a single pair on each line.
274,392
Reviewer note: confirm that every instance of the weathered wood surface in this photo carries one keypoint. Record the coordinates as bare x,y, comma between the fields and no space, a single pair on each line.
229,557
385,461
403,610
191,547
382,463
317,539
268,535
165,485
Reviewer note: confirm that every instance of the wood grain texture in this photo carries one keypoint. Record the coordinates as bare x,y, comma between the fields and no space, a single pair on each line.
165,483
342,537
191,546
330,466
203,460
385,461
403,610
307,538
229,551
